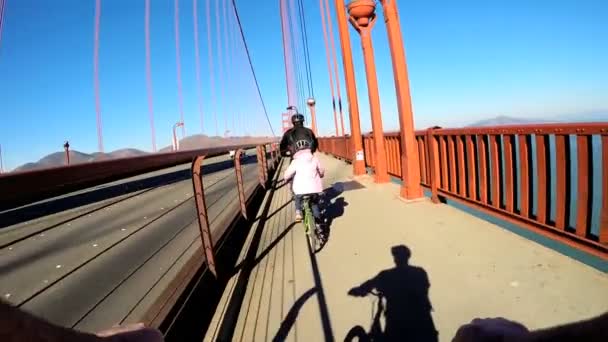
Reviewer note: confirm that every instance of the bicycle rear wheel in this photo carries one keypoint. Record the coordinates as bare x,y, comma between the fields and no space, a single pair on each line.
311,227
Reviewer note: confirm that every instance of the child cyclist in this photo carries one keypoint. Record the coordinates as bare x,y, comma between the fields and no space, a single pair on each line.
307,171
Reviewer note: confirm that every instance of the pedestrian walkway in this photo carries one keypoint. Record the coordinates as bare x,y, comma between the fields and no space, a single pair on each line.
282,291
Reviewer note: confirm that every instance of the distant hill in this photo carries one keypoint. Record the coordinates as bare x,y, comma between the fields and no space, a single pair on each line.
507,120
189,143
76,157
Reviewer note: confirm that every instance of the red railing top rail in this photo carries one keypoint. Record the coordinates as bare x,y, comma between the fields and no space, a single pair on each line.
553,128
581,128
21,188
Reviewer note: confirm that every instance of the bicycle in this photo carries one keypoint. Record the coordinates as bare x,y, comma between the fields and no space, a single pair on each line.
311,227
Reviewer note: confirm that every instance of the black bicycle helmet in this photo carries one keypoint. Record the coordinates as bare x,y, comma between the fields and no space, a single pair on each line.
297,119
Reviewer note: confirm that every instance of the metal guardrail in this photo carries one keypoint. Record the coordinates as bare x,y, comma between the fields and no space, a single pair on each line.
518,173
21,188
205,256
157,313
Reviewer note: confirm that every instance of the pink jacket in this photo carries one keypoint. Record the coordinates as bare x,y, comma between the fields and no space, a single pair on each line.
307,172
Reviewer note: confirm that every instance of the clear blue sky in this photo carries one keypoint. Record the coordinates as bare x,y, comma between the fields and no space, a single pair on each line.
468,60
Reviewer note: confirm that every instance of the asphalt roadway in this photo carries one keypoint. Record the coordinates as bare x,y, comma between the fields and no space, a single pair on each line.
106,262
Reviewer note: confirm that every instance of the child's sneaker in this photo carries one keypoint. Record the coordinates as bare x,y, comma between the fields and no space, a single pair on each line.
298,216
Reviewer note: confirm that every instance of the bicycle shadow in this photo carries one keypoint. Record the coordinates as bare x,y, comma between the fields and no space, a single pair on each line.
332,207
407,309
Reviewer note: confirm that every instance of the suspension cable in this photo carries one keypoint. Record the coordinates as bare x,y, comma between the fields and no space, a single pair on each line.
237,124
180,99
227,103
2,13
149,86
287,55
210,59
331,82
294,50
96,75
199,92
220,78
311,91
333,49
238,19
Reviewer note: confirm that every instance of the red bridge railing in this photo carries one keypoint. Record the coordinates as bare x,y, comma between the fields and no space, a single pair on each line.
531,175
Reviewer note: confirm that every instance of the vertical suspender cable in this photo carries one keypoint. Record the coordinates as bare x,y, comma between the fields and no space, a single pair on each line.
199,92
295,50
96,75
149,75
211,70
234,70
2,12
306,50
227,102
327,51
180,101
333,49
220,81
287,56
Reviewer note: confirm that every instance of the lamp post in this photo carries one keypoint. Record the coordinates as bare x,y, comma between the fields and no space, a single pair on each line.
363,17
311,104
351,90
410,166
66,147
175,141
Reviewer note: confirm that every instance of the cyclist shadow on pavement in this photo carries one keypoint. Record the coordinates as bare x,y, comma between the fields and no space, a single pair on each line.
407,308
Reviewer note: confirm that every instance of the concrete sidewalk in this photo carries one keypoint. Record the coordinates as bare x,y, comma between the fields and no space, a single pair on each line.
475,269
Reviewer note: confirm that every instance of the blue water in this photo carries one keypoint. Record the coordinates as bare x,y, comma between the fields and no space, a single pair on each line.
595,187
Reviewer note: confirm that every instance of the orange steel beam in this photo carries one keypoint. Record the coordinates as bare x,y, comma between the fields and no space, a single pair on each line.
410,166
351,91
363,18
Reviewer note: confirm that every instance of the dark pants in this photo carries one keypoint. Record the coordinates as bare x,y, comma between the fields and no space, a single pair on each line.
314,205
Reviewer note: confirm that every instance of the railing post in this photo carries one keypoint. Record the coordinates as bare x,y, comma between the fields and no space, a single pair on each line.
264,156
239,181
261,167
333,147
433,152
274,155
201,210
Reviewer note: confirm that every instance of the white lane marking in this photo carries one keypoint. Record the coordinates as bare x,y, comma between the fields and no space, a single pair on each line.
8,295
58,266
45,281
123,229
94,245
